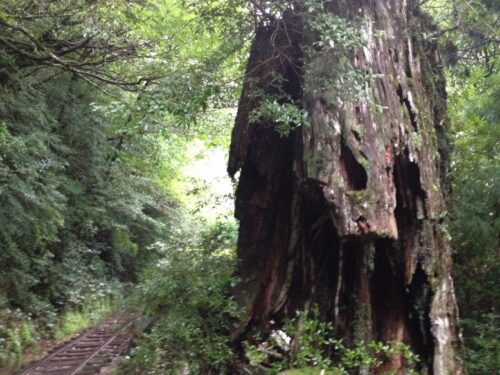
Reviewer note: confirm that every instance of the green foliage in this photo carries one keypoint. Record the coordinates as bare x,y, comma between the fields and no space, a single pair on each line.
276,107
476,220
199,62
482,353
18,335
32,205
469,45
58,179
85,186
187,295
309,345
468,35
332,31
311,338
95,41
336,38
79,204
285,117
89,313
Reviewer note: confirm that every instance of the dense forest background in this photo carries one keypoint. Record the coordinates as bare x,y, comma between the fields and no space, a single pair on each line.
115,118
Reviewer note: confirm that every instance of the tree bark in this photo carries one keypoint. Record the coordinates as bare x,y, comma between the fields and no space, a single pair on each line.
348,212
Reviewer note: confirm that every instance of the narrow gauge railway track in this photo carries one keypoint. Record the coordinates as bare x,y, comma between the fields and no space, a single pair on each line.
86,354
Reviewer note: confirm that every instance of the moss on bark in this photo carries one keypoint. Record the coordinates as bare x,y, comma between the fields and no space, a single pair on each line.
344,213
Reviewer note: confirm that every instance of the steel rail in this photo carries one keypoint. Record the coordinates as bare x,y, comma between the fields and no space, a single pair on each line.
93,355
57,352
43,365
100,349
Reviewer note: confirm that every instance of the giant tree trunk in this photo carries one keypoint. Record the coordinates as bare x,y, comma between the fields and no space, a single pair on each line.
347,213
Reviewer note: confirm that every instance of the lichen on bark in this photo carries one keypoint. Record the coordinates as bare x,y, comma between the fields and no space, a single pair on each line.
344,213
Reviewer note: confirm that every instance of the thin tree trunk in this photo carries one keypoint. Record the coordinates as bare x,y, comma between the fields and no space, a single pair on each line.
347,212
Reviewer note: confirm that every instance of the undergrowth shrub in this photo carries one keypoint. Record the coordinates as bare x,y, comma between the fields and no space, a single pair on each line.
482,348
307,345
91,312
187,296
18,335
